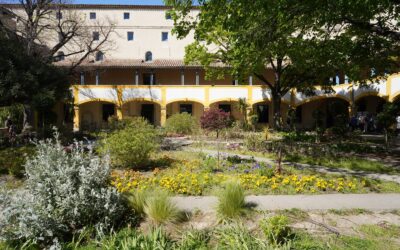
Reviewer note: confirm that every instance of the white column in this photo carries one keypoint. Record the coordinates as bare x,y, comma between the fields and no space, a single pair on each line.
136,77
236,82
97,77
151,78
197,78
182,77
346,79
82,78
250,80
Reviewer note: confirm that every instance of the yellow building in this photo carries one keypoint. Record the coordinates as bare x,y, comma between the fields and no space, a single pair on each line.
141,73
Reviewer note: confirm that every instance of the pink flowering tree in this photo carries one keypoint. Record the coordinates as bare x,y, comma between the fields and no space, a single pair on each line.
215,119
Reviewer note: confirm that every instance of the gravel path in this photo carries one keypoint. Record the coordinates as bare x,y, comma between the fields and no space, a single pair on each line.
305,202
321,169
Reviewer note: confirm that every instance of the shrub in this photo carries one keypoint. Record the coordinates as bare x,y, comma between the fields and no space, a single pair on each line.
12,160
194,239
254,142
231,200
131,145
65,192
215,120
160,209
137,200
182,123
276,229
236,236
132,239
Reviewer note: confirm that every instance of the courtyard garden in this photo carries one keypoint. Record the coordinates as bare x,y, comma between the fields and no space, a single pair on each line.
123,189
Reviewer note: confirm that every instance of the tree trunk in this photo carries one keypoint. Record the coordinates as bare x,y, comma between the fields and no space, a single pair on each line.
276,106
28,118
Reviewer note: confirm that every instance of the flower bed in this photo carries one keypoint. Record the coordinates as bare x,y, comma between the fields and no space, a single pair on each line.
193,178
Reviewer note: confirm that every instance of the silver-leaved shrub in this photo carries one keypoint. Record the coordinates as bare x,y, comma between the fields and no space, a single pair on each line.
66,191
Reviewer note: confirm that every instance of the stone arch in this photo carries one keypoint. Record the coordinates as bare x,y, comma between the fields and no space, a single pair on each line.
193,107
94,114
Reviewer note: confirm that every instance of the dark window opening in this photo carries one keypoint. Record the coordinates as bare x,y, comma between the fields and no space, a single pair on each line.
130,36
147,79
99,56
225,107
168,16
186,108
126,15
108,111
92,15
96,36
59,15
164,36
60,56
263,113
149,56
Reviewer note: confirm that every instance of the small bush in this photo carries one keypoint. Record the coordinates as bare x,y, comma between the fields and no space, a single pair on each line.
215,120
131,145
254,142
132,239
65,192
12,160
160,209
182,123
194,239
231,200
236,236
137,200
276,229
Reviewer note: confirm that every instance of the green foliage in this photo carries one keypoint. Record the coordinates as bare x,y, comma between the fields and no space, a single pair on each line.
254,142
16,112
236,236
12,160
194,239
131,145
182,123
137,200
160,209
277,229
64,193
130,238
231,201
28,79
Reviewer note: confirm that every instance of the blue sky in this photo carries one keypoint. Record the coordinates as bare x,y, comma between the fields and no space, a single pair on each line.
142,2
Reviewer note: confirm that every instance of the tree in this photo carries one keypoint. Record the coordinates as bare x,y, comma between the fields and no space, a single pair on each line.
387,119
369,27
214,120
267,39
47,27
27,80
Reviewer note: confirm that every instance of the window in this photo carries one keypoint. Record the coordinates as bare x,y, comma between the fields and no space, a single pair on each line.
127,15
60,37
96,36
186,108
99,56
92,15
130,36
168,16
58,15
60,56
149,56
225,107
108,111
164,36
148,78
